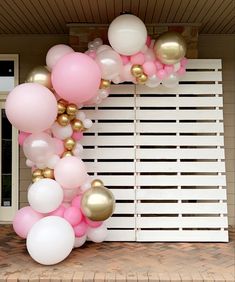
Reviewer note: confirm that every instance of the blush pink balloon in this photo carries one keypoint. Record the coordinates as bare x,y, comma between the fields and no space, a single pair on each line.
181,71
161,74
126,73
70,172
148,41
77,136
125,59
59,211
76,202
59,146
73,216
22,136
57,52
24,220
80,229
92,54
149,68
93,224
31,107
76,78
159,65
169,69
184,62
137,59
69,194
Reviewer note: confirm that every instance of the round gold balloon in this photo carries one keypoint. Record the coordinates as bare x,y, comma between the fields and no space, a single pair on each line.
137,70
37,172
72,117
40,75
67,154
61,108
37,178
77,125
142,79
98,203
63,120
71,109
97,183
69,143
48,173
170,48
104,84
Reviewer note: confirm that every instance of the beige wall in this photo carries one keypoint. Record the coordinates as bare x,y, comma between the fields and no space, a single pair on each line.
32,50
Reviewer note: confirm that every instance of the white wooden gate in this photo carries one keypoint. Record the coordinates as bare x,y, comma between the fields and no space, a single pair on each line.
161,153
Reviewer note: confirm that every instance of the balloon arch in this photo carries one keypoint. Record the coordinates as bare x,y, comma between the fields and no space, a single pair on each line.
65,206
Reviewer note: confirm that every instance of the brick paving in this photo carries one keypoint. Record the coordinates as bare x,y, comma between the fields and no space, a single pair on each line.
118,261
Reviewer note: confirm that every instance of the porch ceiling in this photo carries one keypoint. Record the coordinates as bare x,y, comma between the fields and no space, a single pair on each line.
52,16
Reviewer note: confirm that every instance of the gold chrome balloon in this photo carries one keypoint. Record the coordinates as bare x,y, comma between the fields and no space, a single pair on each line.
67,154
77,125
63,119
142,79
40,75
170,48
97,183
137,70
37,172
104,84
71,109
61,108
69,143
37,178
48,173
98,203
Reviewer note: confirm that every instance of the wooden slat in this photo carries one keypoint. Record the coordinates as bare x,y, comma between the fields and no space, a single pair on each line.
204,64
108,153
121,222
121,235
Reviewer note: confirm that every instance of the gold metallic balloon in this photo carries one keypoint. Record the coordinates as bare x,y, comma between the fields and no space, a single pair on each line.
98,203
61,108
104,84
77,125
37,172
142,79
72,117
170,48
48,173
67,154
63,119
97,183
40,75
37,178
71,109
137,70
69,143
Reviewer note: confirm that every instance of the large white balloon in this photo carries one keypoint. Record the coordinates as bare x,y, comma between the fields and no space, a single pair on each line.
98,234
50,240
45,195
127,34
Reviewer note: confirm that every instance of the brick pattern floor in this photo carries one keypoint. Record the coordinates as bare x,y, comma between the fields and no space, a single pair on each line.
120,261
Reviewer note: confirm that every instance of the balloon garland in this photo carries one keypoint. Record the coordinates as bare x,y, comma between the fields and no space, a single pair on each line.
65,206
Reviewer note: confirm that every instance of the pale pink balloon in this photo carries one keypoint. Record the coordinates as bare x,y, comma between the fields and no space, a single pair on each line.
73,216
149,68
69,194
184,62
169,69
22,136
77,136
76,78
181,71
24,220
125,59
76,202
158,65
148,40
31,107
161,74
149,55
39,147
137,59
59,146
55,53
92,54
59,211
126,73
70,172
93,224
80,229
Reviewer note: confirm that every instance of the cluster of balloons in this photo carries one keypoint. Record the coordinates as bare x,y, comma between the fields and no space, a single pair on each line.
65,206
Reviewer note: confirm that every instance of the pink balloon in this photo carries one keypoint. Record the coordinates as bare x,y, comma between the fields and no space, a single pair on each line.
73,216
92,54
31,107
149,68
58,212
22,136
69,194
70,172
76,78
80,229
24,220
55,53
92,223
39,147
169,69
148,41
158,65
125,59
161,74
59,146
77,136
126,73
184,62
76,202
137,59
181,71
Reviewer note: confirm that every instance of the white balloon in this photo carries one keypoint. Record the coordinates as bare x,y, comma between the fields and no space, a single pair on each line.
149,55
103,93
127,34
80,115
51,163
61,132
97,42
79,241
77,150
85,186
177,66
45,195
50,240
153,81
41,165
171,81
29,163
87,123
98,234
103,48
91,45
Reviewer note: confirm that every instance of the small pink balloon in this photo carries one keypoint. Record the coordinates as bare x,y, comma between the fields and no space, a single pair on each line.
22,136
77,136
137,59
24,220
80,229
73,216
126,73
184,62
92,223
159,65
149,68
58,212
92,54
169,69
181,71
76,78
125,59
55,53
148,40
59,146
161,74
76,202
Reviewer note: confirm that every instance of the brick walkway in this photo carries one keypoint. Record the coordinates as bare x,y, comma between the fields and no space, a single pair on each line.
121,262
